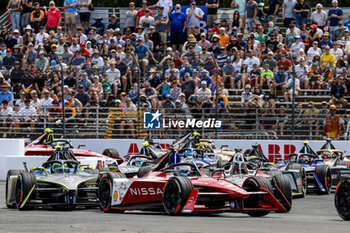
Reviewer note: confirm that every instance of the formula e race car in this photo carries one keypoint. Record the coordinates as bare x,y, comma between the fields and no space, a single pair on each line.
296,172
342,193
42,146
183,188
318,174
60,182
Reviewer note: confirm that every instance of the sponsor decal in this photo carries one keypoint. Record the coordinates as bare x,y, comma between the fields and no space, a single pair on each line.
115,196
145,191
153,120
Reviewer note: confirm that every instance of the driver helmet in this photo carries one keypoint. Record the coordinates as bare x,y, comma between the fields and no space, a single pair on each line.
188,153
56,167
146,143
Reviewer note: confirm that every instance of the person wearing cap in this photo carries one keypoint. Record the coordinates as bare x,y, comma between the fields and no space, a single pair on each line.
167,5
141,12
8,61
339,31
203,93
246,96
150,93
53,16
99,25
161,24
194,16
325,40
334,125
42,63
114,76
70,16
146,21
203,42
335,14
6,94
285,63
130,18
319,17
297,45
177,27
301,11
83,51
114,24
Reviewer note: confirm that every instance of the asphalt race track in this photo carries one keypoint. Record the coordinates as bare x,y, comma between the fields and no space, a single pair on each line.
311,214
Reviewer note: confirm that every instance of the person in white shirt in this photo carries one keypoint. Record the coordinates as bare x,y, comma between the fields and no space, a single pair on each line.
28,116
6,116
40,36
20,102
319,17
203,93
336,50
46,101
167,4
114,77
81,35
97,59
302,71
288,95
251,60
313,51
120,52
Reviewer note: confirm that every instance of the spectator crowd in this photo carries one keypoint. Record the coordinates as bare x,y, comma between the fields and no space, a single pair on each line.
183,67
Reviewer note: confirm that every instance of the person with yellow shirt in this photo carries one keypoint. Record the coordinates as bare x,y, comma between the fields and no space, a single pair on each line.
224,38
328,58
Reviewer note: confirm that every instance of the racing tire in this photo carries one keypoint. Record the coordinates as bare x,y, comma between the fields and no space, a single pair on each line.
143,171
104,192
323,173
25,183
110,152
219,163
303,179
10,173
175,195
254,183
284,187
342,199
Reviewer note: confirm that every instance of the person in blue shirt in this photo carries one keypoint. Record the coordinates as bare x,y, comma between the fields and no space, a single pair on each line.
177,27
185,69
335,14
142,54
208,80
6,95
79,60
279,80
71,10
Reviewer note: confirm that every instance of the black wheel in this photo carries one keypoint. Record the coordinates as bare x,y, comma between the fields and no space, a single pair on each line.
303,179
253,184
176,192
219,163
104,192
25,182
143,171
112,153
9,174
323,173
342,199
284,191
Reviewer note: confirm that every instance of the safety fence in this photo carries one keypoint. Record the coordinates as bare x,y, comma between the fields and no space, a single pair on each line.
235,123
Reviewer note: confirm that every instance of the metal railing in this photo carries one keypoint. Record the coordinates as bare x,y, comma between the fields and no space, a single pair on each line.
236,123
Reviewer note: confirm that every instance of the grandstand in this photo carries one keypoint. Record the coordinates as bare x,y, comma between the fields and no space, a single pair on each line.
240,122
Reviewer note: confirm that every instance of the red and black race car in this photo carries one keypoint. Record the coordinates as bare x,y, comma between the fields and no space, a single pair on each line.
45,148
183,188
